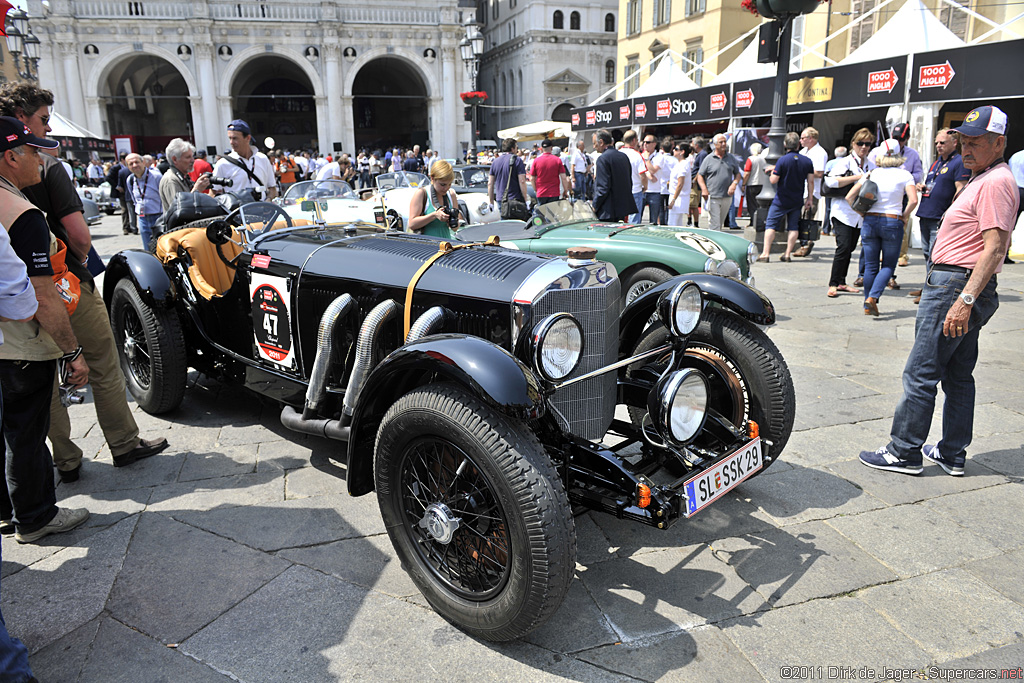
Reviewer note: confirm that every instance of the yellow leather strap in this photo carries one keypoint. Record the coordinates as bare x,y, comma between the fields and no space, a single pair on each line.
442,249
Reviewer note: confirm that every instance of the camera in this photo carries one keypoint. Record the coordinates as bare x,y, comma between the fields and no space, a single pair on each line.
453,217
214,180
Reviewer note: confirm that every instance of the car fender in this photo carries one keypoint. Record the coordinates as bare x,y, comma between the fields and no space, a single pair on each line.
146,272
730,294
485,370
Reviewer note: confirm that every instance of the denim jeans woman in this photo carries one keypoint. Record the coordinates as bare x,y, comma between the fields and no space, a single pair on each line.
880,236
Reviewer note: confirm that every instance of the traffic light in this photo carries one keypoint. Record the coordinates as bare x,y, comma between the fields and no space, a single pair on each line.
467,113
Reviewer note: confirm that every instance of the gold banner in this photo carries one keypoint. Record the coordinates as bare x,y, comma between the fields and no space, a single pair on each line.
808,90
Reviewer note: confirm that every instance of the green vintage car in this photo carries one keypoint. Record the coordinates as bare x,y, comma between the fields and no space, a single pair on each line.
644,255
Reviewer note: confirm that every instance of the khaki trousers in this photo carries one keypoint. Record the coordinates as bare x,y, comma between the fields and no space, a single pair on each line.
92,328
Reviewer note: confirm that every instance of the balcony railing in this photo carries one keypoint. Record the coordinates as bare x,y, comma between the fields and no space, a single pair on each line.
142,9
394,17
268,11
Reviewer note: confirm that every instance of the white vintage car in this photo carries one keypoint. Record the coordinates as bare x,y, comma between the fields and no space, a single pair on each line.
395,192
101,195
338,201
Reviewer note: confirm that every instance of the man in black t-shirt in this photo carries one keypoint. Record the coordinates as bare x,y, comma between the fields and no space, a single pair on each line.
117,192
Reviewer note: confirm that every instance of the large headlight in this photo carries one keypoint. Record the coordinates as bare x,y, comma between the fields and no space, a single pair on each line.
557,346
752,254
678,405
681,307
729,268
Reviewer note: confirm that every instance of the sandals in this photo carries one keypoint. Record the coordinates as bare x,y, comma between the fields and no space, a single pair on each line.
833,292
763,259
785,259
848,288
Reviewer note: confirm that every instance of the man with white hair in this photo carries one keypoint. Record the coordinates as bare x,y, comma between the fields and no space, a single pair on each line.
718,177
144,193
181,155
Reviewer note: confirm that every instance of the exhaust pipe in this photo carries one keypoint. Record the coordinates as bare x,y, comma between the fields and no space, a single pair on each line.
331,429
368,332
426,324
336,311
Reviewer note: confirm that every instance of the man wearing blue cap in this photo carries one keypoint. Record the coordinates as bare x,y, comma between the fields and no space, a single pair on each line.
249,169
959,297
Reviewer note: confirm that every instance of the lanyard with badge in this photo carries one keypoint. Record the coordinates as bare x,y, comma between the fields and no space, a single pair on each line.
141,200
933,174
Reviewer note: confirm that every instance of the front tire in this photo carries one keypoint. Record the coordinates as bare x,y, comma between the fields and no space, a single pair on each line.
476,512
151,348
642,280
749,380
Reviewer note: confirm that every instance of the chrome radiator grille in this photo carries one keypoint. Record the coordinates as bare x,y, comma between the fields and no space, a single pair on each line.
588,406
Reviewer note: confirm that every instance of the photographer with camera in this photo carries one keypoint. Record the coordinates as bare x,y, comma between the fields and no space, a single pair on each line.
247,168
181,155
435,210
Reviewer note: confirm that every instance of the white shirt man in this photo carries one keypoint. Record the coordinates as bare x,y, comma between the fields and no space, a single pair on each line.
328,171
94,172
257,163
303,162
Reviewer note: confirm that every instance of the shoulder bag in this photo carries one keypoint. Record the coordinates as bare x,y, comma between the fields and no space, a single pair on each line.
256,194
513,209
867,196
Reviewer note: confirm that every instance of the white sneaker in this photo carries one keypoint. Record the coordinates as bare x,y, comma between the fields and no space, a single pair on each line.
65,520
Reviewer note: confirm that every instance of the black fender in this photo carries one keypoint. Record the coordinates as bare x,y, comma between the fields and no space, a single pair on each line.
730,294
146,272
485,370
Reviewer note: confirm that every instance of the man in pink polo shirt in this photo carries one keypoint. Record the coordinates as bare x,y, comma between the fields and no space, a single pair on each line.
959,297
548,175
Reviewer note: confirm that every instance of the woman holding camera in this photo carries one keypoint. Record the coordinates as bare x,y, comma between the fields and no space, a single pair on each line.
433,209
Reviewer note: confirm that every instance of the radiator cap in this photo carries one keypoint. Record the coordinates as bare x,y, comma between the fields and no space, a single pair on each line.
581,256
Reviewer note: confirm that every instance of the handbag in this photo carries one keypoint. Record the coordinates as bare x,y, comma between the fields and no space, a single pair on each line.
836,192
810,229
867,196
513,209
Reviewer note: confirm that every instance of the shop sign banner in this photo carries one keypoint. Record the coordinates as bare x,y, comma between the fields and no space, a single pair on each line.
719,101
808,90
976,72
882,81
604,115
687,106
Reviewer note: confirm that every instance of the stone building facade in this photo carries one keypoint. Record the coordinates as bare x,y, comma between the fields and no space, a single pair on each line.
327,74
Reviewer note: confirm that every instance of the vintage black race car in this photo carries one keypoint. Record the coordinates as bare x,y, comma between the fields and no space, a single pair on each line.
474,388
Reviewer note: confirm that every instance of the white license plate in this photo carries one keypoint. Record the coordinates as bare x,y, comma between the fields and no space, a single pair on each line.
709,486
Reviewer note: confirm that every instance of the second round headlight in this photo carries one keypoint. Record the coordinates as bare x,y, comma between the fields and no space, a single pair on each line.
557,346
678,405
681,307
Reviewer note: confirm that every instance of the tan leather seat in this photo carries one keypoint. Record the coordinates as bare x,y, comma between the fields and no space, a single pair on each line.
209,274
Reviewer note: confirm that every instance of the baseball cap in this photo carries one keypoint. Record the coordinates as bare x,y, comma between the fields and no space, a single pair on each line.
983,120
901,131
14,133
239,125
891,148
545,143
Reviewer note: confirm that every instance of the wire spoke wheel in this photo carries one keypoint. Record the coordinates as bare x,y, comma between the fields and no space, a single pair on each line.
451,511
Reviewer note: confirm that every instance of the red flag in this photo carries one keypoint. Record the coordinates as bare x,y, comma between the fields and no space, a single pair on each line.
5,7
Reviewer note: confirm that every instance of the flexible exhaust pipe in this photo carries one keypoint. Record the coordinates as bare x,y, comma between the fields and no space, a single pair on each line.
331,429
336,311
426,324
368,332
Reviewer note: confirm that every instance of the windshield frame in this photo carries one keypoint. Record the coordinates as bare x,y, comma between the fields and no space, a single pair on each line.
292,194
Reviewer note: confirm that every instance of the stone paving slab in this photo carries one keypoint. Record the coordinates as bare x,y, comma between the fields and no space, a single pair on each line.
913,539
1003,573
949,614
983,512
806,493
931,483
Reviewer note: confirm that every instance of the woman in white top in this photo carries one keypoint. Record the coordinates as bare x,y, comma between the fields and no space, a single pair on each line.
845,221
882,229
680,183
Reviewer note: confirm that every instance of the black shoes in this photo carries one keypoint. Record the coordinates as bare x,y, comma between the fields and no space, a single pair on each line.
146,448
68,476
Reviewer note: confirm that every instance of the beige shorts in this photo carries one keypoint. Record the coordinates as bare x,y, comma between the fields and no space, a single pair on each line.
695,196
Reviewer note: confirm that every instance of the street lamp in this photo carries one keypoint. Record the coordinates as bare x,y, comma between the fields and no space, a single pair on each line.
20,39
471,48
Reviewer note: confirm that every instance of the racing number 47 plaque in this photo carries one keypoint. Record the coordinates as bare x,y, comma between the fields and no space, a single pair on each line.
270,319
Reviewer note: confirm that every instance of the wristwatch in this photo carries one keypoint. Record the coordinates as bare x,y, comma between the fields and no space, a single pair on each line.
968,299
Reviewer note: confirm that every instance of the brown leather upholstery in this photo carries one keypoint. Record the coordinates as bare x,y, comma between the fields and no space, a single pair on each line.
210,275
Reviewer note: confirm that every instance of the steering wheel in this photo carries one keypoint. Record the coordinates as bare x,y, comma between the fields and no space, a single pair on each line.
220,232
267,213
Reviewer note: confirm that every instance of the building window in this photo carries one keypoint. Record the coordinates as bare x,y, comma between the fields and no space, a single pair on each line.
694,7
557,21
662,12
632,77
574,21
609,23
609,71
694,56
954,19
512,4
494,8
633,16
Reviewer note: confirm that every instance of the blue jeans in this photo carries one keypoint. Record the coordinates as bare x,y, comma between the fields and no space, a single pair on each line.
936,358
653,200
638,199
13,654
879,235
146,224
929,228
583,189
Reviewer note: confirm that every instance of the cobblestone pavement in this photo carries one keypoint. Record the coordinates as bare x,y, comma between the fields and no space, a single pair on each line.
237,555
